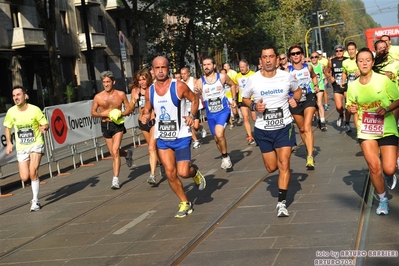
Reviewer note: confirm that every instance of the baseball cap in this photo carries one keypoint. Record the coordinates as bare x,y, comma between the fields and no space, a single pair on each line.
338,46
115,116
319,52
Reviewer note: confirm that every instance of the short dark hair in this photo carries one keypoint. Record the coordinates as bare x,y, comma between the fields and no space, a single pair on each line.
209,58
19,87
267,47
389,37
352,43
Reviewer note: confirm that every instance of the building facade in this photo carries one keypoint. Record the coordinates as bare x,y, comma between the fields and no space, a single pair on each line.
24,56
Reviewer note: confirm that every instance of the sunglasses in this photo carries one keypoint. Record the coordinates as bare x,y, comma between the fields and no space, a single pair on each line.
339,50
314,57
283,58
295,53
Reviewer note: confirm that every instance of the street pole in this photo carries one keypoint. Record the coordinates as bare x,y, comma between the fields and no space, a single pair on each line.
318,24
323,26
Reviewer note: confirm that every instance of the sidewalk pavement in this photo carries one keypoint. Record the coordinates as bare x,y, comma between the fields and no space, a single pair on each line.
84,222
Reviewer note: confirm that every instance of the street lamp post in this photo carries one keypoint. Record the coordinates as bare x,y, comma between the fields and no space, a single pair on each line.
323,26
320,16
344,43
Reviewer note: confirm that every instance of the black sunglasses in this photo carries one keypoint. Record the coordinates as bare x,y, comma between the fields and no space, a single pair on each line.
283,58
314,57
295,53
339,50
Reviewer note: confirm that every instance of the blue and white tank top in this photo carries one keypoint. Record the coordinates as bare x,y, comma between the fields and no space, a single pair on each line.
169,109
304,80
214,95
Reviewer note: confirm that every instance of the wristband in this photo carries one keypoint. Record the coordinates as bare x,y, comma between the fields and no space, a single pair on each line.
252,107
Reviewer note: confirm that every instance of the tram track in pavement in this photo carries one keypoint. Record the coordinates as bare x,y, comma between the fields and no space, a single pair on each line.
67,222
201,236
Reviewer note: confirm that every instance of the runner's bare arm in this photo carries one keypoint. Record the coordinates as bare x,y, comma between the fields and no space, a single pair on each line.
146,109
128,107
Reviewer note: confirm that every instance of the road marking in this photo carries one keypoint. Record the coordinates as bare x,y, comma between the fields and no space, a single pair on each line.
210,172
134,222
247,148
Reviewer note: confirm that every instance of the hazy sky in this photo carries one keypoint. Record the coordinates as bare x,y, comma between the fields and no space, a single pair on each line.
384,12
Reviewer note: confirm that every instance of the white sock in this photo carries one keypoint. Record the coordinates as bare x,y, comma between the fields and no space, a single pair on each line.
382,196
322,119
35,189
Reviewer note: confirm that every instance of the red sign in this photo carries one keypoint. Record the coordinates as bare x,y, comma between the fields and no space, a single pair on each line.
372,123
59,127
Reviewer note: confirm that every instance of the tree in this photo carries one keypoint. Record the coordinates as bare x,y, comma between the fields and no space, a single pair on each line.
46,10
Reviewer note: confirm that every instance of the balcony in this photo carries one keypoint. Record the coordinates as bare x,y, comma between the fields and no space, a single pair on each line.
113,5
97,41
25,37
88,2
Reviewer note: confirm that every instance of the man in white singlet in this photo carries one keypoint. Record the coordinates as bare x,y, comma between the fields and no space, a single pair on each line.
172,131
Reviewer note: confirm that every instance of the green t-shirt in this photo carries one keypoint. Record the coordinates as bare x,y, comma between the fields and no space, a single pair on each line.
26,126
394,52
380,91
393,67
349,67
318,70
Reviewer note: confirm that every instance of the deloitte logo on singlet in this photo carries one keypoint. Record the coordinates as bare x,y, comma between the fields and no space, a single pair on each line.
270,92
59,126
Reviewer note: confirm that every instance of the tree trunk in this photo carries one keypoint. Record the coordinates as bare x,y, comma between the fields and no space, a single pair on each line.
48,23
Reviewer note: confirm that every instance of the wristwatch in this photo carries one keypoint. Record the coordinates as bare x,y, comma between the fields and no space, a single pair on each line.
192,116
387,110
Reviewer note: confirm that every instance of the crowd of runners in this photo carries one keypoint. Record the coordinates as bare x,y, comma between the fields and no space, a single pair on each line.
285,94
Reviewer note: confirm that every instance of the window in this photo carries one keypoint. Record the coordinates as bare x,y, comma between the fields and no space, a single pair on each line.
64,22
106,63
101,24
129,28
15,16
118,25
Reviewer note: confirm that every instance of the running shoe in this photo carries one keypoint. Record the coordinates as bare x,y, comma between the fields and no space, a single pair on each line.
226,163
35,206
310,163
348,128
185,208
391,181
250,140
319,123
152,180
282,209
203,132
323,127
382,207
129,158
239,120
339,121
231,126
199,179
326,107
196,144
115,183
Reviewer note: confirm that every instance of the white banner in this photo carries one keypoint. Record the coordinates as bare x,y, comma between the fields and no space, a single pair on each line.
68,124
72,123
